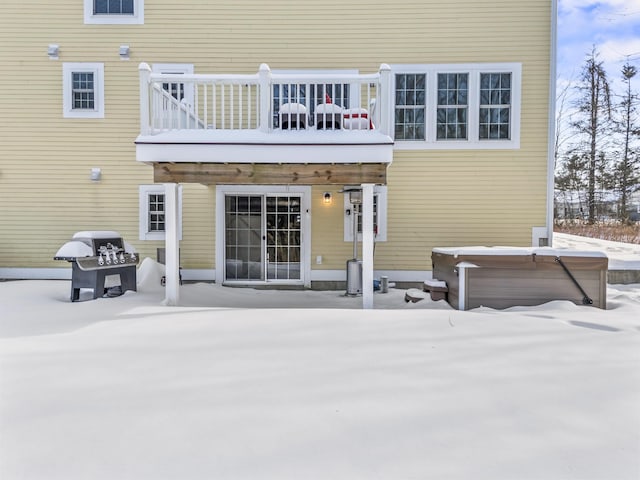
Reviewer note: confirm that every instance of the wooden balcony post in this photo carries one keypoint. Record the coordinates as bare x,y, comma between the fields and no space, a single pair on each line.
264,76
145,80
386,99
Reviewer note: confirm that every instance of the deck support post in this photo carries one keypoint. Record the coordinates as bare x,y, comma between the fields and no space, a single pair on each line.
367,245
172,273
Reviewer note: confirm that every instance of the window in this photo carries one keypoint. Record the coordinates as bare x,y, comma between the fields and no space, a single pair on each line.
179,91
495,105
457,106
83,95
152,212
313,94
379,215
410,107
335,93
113,11
452,106
155,217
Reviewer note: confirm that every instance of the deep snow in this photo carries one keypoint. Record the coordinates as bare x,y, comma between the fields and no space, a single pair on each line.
125,388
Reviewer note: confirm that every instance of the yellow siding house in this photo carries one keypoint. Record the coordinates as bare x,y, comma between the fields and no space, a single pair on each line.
259,138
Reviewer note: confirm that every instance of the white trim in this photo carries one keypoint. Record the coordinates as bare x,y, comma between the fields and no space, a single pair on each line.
379,191
474,70
305,226
136,19
143,211
552,121
68,69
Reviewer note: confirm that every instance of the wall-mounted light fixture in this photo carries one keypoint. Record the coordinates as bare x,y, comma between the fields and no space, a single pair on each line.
96,174
124,52
53,51
326,198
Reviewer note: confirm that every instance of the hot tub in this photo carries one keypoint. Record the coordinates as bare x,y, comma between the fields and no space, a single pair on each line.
502,277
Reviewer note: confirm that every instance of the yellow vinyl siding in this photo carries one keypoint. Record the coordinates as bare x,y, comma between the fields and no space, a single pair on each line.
45,161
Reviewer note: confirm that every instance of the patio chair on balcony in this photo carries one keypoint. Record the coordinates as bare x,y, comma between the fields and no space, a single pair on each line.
328,116
357,119
293,116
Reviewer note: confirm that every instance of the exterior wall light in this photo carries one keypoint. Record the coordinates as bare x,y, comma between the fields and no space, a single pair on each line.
326,198
53,51
124,52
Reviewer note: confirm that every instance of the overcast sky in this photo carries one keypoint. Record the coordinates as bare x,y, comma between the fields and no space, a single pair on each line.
613,26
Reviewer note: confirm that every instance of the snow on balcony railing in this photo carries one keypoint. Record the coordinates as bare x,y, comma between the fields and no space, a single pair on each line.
265,101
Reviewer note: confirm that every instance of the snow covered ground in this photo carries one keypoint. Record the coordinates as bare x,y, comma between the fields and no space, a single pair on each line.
309,386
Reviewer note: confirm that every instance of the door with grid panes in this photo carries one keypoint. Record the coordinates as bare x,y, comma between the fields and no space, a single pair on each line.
263,237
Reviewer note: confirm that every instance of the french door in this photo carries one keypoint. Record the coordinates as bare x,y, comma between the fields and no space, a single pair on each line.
263,237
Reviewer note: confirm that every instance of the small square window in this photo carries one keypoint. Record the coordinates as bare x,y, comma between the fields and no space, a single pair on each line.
83,95
113,12
152,225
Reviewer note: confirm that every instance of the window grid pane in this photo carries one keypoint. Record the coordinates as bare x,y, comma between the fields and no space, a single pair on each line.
357,208
337,94
410,107
451,116
495,106
156,213
113,7
83,91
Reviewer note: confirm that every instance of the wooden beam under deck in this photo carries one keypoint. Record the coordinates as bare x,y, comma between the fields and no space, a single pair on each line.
270,174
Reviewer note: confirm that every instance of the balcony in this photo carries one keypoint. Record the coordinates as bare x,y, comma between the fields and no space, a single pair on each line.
267,127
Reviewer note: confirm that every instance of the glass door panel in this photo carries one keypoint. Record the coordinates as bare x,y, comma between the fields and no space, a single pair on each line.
243,237
283,237
263,237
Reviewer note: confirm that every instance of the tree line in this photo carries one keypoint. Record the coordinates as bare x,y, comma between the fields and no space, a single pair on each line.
596,146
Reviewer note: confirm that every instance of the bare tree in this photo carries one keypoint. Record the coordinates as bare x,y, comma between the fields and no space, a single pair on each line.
594,113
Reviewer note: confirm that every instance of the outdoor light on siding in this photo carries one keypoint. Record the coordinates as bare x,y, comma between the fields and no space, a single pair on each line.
96,174
327,198
124,52
53,51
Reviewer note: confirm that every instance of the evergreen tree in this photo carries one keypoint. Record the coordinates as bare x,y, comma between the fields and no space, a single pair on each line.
594,113
627,168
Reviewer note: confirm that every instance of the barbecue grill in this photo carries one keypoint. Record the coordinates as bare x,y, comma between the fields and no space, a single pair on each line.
95,255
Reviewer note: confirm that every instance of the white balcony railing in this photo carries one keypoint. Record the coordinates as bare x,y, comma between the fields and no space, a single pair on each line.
265,101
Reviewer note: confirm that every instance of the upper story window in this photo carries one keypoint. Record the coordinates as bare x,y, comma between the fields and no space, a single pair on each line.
83,95
410,106
457,106
495,106
114,11
178,90
453,105
311,96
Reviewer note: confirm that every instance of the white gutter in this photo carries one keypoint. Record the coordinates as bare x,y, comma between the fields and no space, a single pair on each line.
552,120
